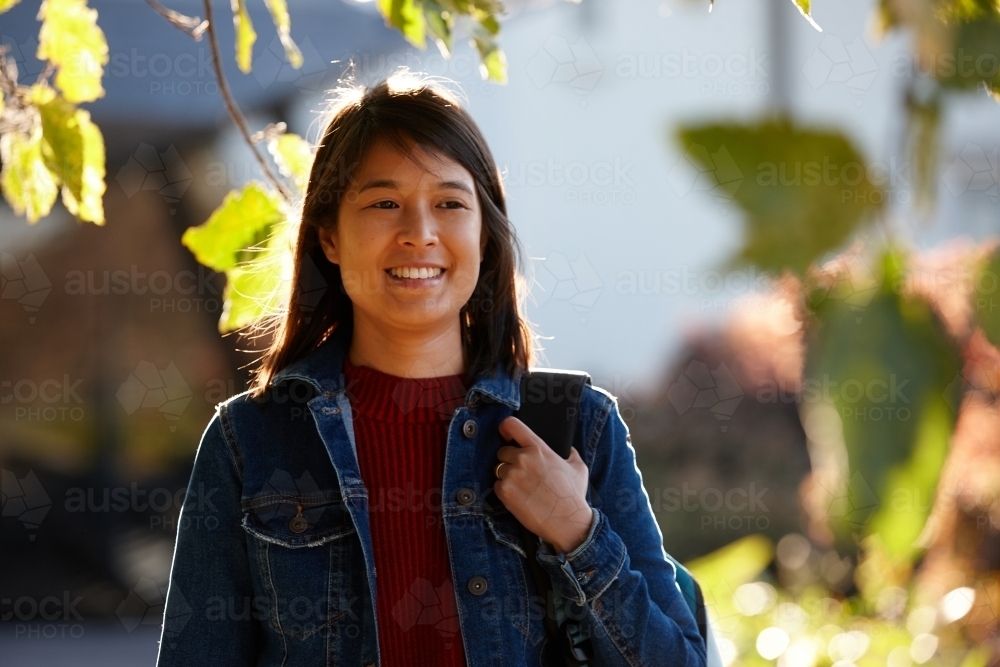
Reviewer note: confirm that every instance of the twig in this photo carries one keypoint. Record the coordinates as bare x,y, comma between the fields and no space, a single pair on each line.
234,110
191,25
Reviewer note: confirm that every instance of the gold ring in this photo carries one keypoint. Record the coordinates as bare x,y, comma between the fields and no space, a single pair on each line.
496,471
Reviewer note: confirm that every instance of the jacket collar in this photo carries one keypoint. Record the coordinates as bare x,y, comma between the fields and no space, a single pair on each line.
323,368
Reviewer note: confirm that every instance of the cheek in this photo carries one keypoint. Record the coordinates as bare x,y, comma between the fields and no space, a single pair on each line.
466,273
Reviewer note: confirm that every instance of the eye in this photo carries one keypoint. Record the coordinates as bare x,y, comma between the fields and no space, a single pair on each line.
458,204
379,204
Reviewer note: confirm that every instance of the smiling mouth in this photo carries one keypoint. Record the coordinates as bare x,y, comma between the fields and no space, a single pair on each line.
413,273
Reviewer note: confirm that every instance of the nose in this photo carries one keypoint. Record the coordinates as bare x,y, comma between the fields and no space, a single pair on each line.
418,226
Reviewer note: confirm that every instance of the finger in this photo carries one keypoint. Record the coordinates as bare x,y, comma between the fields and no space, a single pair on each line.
508,453
513,428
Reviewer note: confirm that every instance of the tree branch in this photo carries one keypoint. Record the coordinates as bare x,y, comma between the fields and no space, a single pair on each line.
234,110
191,25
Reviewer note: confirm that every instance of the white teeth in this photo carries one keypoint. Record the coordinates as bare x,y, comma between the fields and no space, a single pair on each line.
413,272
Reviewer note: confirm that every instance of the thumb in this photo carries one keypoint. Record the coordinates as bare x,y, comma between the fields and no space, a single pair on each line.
575,460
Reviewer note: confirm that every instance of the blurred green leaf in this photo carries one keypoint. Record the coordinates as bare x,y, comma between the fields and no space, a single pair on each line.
407,17
244,218
28,185
440,23
494,62
248,237
294,158
986,297
910,484
72,41
804,192
733,565
886,369
283,24
253,288
973,61
73,150
245,35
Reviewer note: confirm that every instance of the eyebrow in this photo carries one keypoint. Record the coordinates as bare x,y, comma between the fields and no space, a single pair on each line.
389,183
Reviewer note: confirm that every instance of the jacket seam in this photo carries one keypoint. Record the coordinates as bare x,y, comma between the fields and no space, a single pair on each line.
612,578
230,439
598,430
623,648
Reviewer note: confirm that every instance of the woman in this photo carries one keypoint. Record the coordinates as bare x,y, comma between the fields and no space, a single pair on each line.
362,504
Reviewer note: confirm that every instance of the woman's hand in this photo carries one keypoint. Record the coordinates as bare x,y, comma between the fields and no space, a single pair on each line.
545,492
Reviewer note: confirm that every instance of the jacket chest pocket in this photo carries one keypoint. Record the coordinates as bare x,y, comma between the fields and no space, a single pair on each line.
301,548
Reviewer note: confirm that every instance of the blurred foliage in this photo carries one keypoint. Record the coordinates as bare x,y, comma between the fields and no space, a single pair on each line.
790,615
803,191
987,298
879,384
45,141
886,371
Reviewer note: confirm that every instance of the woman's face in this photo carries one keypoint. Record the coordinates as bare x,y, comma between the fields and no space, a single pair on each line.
408,240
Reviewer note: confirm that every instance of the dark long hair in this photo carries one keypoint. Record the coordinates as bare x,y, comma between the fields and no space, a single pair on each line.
402,108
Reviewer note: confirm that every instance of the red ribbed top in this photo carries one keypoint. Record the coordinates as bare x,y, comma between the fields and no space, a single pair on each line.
401,429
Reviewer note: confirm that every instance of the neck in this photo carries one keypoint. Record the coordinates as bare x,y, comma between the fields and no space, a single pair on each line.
433,352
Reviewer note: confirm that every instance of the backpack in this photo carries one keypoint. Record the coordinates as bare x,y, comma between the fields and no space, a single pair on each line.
549,400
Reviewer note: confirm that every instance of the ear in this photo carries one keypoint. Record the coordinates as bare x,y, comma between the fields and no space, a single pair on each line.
327,241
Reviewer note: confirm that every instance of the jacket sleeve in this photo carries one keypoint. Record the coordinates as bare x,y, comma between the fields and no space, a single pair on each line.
619,577
208,615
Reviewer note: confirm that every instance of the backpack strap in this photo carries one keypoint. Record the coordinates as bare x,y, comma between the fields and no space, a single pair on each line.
692,594
549,407
549,400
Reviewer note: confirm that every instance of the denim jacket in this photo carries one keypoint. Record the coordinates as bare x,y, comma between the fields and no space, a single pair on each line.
273,562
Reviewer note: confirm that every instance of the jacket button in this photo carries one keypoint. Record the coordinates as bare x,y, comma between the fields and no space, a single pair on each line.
477,585
298,524
465,496
469,429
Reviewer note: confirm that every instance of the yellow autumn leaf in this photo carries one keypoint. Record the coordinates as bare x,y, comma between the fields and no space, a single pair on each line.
805,8
73,150
245,35
27,184
90,205
283,24
72,41
294,158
